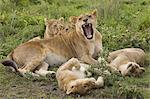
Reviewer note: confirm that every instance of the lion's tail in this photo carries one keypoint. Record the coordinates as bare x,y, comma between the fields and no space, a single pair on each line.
10,63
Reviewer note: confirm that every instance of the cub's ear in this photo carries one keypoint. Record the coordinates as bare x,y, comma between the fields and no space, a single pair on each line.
94,12
61,19
68,91
46,21
73,19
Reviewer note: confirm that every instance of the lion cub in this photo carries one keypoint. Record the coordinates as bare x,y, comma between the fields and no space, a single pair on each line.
127,61
74,80
53,27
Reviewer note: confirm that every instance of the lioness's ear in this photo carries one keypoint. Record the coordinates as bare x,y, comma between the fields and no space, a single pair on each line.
61,19
73,19
94,12
46,21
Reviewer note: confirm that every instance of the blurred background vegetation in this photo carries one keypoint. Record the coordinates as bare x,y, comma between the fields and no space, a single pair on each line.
123,23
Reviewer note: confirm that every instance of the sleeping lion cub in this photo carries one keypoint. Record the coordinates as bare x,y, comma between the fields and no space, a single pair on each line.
127,61
74,80
35,56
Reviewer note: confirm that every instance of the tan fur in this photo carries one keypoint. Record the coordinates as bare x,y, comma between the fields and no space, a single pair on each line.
98,37
98,44
72,81
127,61
57,50
35,39
54,27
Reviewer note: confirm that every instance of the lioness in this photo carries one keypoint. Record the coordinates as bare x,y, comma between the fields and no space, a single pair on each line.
35,55
74,80
55,27
98,37
127,61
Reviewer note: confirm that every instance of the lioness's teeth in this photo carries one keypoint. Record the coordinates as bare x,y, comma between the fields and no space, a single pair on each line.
89,36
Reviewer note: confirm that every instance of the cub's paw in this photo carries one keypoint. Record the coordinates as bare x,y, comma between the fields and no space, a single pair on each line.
100,81
74,60
51,76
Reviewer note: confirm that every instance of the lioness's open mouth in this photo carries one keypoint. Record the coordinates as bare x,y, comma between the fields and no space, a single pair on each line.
88,30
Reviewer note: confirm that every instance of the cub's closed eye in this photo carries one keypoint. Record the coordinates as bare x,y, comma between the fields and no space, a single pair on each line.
119,71
136,66
129,65
80,18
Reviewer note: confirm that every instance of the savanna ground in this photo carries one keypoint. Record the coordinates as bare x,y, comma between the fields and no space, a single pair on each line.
123,23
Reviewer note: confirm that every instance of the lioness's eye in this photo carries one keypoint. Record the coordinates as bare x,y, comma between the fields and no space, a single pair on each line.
55,25
89,16
66,29
71,86
84,86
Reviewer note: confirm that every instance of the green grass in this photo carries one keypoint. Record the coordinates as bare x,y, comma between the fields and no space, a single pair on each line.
123,23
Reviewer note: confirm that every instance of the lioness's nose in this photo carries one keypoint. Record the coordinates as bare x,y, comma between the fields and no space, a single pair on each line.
85,20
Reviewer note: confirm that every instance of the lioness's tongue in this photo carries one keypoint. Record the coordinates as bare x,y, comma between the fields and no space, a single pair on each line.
88,31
